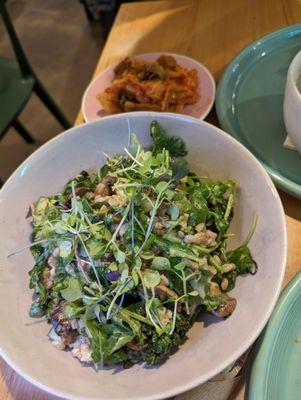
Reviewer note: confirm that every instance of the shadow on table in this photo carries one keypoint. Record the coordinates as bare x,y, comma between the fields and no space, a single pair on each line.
292,206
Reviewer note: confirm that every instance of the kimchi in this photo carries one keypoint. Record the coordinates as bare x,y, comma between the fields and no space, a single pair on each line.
161,85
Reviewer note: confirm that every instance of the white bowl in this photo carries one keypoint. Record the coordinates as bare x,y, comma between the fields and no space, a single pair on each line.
210,348
292,102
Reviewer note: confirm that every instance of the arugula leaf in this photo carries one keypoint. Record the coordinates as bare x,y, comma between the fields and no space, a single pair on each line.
197,199
200,209
180,168
73,310
201,283
117,357
98,341
116,341
174,144
243,260
96,248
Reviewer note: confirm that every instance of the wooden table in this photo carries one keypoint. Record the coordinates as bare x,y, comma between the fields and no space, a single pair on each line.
213,32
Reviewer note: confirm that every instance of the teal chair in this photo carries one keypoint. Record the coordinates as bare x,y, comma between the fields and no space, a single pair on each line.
17,82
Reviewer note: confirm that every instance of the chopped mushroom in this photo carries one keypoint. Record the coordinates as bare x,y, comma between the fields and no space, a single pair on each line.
215,289
103,210
164,280
229,303
104,188
135,347
116,200
116,219
47,279
213,270
81,191
69,335
191,264
224,284
217,259
205,239
57,312
159,227
100,189
164,291
229,267
81,349
53,262
226,309
181,234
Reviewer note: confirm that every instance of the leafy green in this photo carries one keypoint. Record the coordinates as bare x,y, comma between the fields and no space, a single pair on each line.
243,260
175,145
162,345
180,168
73,291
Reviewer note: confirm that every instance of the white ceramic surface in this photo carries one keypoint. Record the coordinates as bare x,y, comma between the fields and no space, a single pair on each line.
93,110
211,345
292,102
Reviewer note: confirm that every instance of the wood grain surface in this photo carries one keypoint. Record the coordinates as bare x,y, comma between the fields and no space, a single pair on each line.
212,32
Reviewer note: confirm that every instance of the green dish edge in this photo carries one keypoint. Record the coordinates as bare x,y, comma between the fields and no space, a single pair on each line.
283,183
262,365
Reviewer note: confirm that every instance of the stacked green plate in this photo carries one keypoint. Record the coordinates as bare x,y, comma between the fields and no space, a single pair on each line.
276,372
249,104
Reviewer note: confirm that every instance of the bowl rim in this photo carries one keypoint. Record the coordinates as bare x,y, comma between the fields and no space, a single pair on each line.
156,53
260,326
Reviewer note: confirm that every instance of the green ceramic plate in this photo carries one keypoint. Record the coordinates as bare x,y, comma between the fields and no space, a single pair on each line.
249,104
276,372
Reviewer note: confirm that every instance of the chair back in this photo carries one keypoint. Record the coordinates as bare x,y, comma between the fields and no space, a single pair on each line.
19,52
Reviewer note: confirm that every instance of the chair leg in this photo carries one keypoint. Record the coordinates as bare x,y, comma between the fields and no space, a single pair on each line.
50,104
22,131
89,15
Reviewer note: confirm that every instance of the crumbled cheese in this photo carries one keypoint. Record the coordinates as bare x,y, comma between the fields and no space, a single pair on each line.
205,239
116,200
59,344
81,349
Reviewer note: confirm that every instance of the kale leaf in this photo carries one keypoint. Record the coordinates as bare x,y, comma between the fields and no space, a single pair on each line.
174,144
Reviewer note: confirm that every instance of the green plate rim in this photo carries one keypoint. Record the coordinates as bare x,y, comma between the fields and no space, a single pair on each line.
281,181
262,363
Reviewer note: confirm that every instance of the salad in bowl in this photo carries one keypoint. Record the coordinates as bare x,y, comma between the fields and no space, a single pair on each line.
127,257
